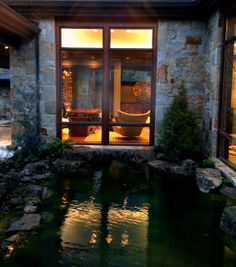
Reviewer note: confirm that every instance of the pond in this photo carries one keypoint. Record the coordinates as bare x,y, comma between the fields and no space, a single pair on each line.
127,215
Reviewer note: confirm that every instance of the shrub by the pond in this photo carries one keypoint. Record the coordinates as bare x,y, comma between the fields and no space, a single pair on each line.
180,137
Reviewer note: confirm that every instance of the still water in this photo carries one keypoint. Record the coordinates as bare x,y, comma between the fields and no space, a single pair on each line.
121,215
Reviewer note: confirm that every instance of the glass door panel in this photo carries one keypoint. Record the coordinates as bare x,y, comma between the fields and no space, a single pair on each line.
228,112
130,95
82,82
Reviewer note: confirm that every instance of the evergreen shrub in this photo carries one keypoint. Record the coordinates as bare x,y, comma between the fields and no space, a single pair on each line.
180,137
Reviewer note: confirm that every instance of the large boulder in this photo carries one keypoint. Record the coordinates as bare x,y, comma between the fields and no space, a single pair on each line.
208,179
39,167
184,168
228,221
27,223
63,166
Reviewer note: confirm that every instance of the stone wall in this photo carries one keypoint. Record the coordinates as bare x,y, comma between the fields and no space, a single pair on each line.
212,82
180,61
5,102
24,90
189,53
47,67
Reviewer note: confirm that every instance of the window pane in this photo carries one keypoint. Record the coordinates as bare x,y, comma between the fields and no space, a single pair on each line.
81,86
82,38
91,134
130,86
131,38
229,91
231,28
129,135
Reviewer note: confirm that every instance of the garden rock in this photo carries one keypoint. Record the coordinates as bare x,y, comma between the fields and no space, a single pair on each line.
229,192
228,221
45,193
39,167
16,201
185,168
36,178
32,201
33,190
30,209
27,223
66,166
208,179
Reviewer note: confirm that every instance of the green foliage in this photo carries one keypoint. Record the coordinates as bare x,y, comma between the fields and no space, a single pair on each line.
180,137
207,163
54,149
35,150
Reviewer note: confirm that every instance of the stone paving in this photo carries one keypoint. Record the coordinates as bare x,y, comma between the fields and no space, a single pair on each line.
228,172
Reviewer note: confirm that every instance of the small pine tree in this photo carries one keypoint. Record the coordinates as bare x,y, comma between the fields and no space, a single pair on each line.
180,137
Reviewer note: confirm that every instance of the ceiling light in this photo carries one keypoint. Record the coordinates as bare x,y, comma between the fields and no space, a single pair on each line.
6,47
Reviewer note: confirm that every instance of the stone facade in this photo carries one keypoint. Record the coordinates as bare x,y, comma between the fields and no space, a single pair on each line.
5,102
213,49
47,74
24,90
188,54
181,58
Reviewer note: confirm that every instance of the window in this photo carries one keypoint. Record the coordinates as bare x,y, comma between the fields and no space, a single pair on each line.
228,110
106,90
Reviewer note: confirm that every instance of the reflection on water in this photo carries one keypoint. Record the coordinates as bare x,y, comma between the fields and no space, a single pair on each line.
99,232
122,216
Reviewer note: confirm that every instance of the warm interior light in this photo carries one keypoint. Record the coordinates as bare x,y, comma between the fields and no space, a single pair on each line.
82,38
135,38
6,47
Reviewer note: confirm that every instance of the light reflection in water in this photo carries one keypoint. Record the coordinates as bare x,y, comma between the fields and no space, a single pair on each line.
87,236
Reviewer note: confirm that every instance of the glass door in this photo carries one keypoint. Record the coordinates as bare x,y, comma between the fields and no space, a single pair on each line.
107,85
228,106
82,83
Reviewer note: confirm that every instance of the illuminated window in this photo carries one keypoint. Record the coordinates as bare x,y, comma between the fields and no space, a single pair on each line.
81,38
131,38
228,98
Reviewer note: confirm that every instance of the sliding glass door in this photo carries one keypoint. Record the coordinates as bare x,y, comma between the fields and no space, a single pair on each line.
106,85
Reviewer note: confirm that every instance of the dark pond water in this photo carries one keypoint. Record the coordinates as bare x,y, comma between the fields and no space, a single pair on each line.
130,216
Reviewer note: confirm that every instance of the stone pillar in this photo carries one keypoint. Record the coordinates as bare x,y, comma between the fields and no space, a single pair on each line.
47,66
24,92
212,83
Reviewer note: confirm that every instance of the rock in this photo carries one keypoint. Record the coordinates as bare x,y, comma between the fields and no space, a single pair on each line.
33,190
32,201
228,221
39,167
185,168
30,209
229,192
17,201
208,178
27,223
35,178
161,165
45,193
63,166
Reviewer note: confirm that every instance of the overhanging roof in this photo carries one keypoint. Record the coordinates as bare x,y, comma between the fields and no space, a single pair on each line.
155,8
14,28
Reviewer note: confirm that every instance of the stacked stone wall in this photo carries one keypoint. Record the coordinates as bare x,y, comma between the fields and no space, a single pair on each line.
212,82
180,63
24,90
47,70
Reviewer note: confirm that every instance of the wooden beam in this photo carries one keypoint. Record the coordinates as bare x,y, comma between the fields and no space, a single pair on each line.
14,25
